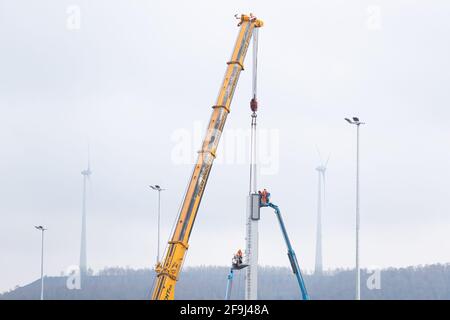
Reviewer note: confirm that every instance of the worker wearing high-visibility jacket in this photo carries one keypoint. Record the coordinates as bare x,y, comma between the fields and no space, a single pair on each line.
264,195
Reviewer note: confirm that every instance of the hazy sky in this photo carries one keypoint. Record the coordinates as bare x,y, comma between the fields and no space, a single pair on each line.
138,76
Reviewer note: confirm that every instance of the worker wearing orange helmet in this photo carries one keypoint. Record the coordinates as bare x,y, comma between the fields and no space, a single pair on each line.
264,196
239,256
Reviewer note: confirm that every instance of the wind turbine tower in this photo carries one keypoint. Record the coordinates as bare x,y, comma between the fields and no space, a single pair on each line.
83,257
321,170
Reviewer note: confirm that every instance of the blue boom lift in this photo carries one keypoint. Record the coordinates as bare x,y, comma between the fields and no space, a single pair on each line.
264,201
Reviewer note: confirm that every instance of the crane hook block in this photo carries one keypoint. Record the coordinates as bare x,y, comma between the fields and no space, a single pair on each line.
254,105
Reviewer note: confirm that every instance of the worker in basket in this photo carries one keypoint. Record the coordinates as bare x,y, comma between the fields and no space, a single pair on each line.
237,259
264,196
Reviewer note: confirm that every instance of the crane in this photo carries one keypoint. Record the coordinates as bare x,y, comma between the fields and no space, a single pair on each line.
169,269
265,202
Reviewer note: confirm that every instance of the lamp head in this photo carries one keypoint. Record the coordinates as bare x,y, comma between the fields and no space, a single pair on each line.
157,187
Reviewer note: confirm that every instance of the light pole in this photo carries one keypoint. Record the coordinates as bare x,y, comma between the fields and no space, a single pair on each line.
159,189
355,121
42,229
83,251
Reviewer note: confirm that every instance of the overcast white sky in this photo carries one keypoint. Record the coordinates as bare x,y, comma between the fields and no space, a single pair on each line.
139,73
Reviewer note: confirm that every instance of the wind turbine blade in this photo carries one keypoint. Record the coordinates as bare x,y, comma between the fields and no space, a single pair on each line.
89,157
324,188
91,187
320,155
328,159
89,181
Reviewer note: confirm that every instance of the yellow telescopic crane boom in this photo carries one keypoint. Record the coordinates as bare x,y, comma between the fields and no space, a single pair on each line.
168,271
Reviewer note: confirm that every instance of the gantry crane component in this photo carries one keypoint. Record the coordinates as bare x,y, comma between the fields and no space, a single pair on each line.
168,271
265,202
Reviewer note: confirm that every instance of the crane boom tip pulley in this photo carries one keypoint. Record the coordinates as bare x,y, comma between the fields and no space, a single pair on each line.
251,18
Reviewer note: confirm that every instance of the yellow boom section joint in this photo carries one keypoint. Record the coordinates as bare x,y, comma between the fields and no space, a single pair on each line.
185,245
225,107
236,62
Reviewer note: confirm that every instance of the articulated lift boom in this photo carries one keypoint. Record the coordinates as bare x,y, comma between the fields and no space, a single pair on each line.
265,202
168,271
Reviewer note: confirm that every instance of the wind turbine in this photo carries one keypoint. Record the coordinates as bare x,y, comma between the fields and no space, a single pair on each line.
83,255
321,170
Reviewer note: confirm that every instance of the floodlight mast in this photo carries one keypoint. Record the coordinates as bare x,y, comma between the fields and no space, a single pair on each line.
357,122
42,229
83,248
159,189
